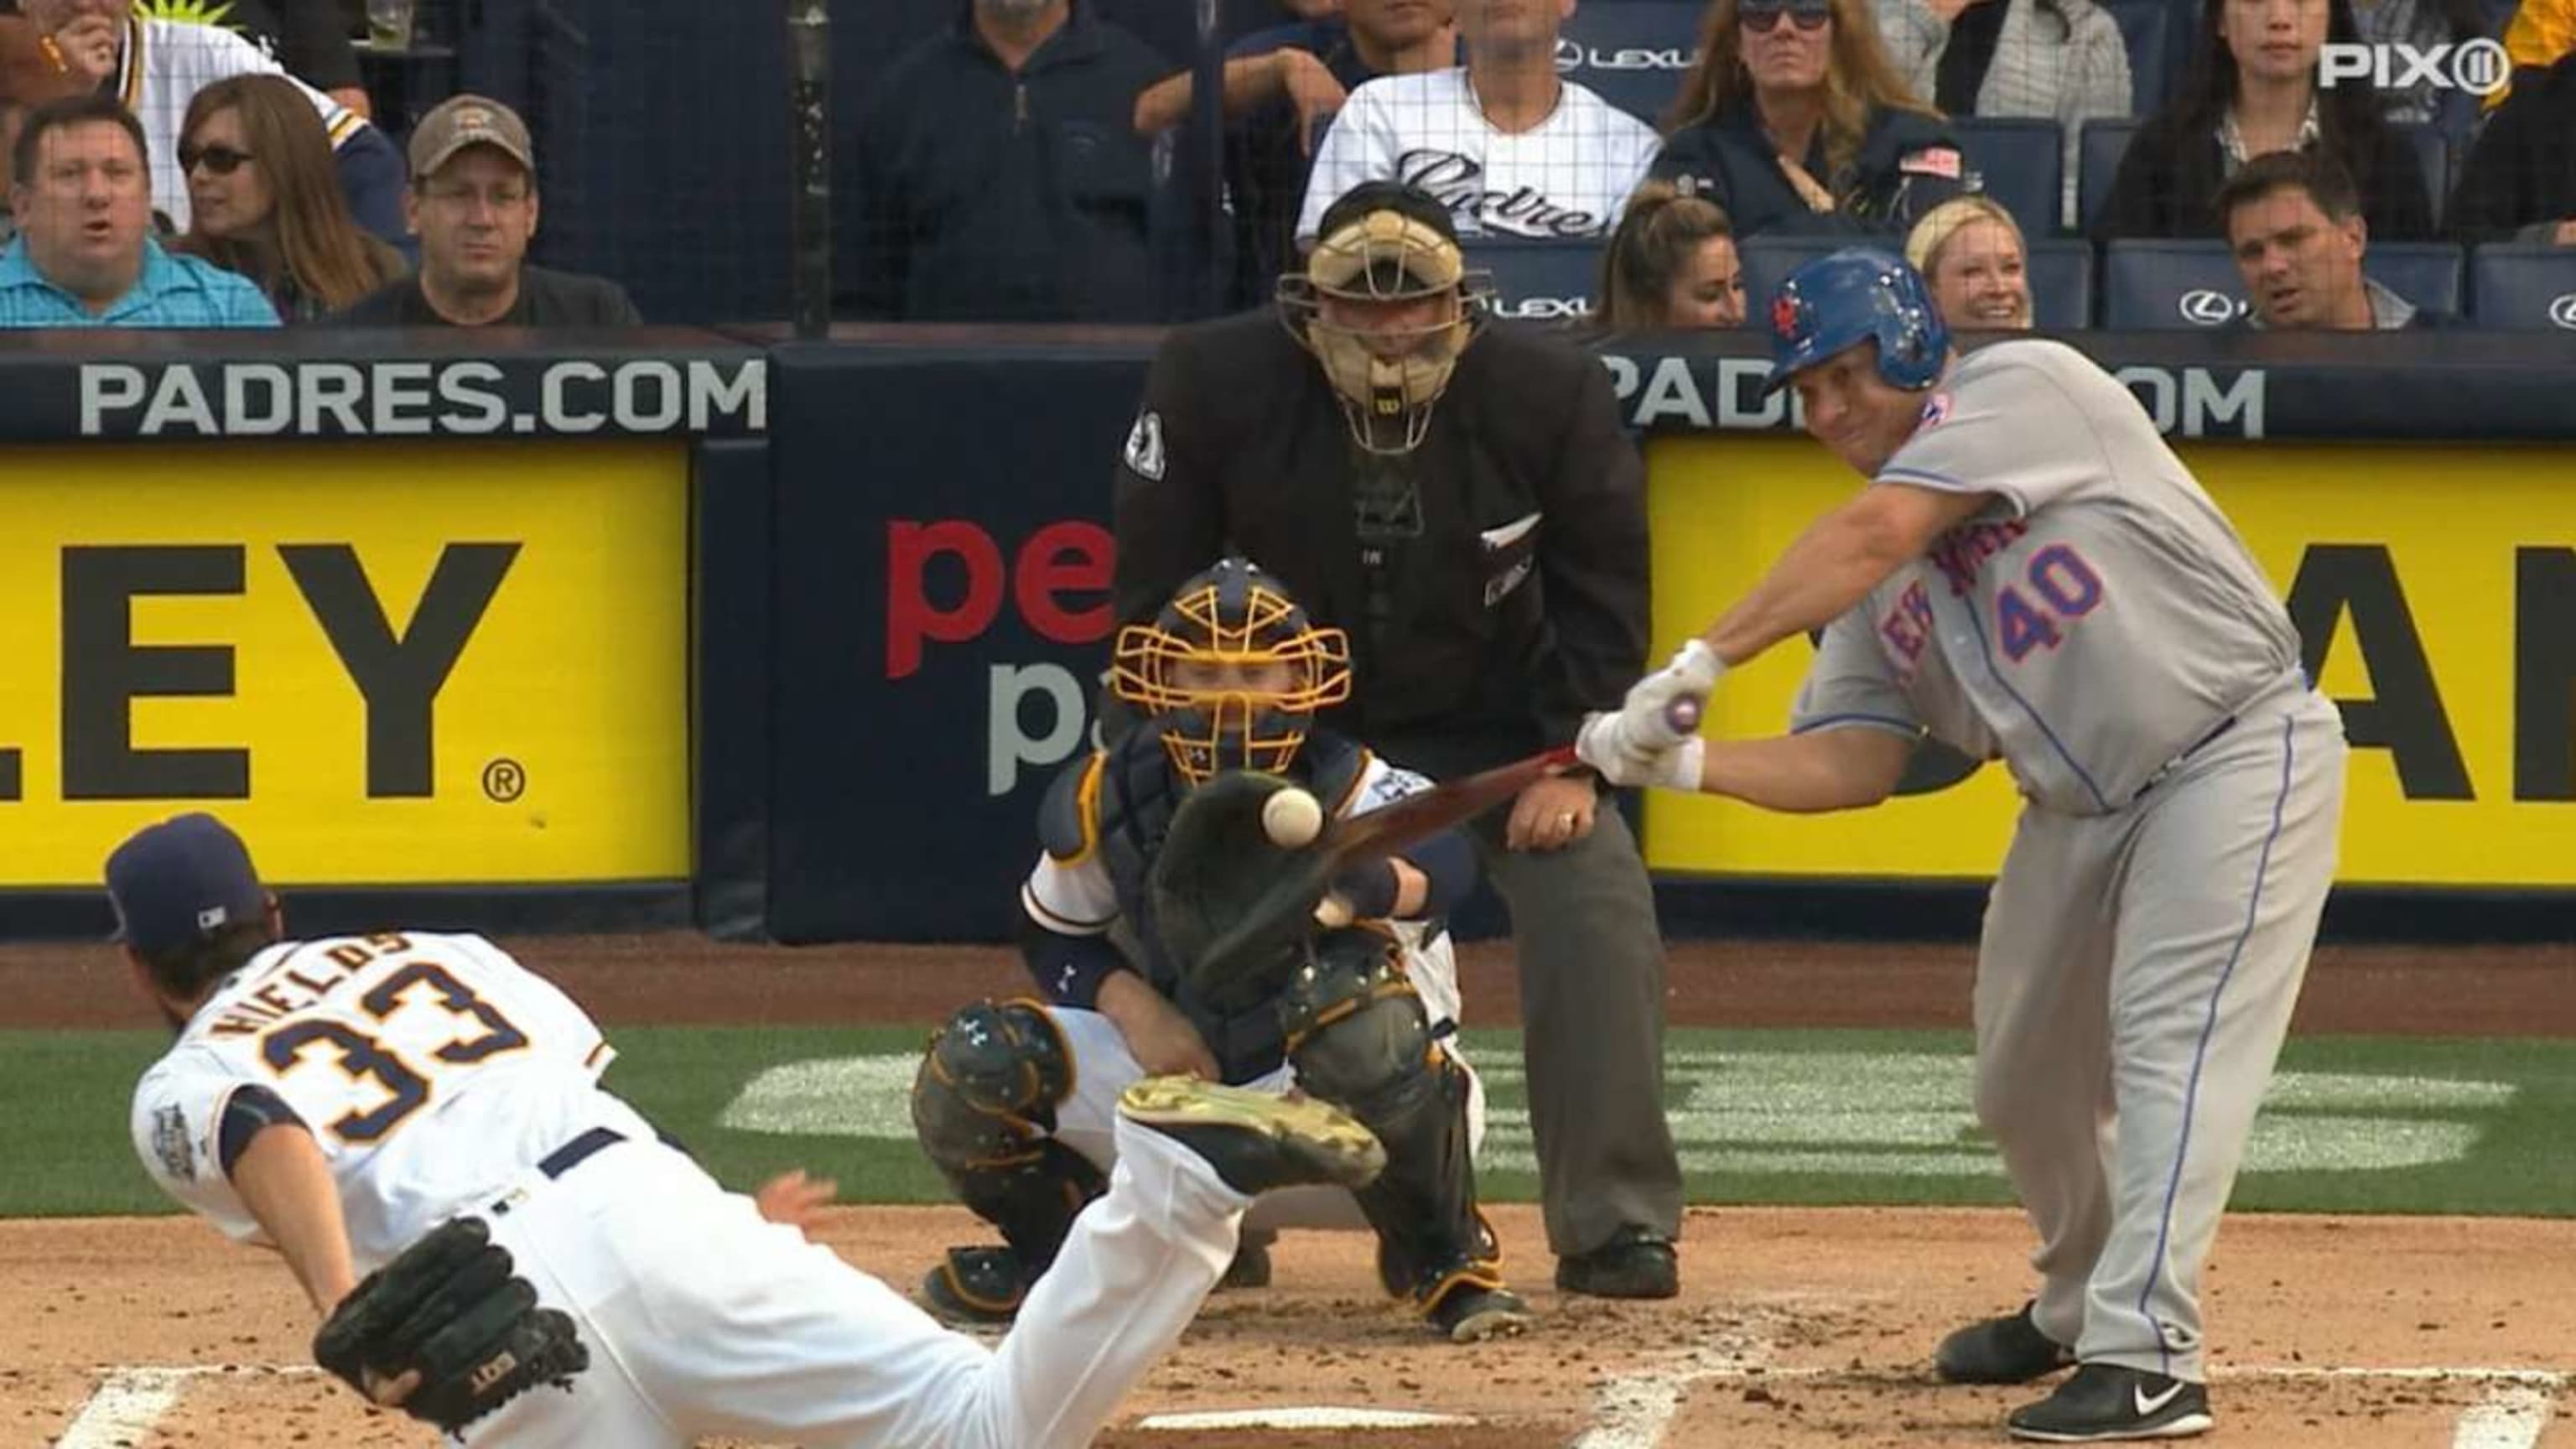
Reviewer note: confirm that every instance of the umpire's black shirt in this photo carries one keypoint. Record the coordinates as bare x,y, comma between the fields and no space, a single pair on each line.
1509,577
984,195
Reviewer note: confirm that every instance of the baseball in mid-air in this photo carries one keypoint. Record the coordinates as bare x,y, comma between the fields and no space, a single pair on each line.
1292,818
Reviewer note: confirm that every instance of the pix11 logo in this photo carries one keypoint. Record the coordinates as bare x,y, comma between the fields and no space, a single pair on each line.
2476,66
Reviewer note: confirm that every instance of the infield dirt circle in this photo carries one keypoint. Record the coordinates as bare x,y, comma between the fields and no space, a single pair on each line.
1795,1327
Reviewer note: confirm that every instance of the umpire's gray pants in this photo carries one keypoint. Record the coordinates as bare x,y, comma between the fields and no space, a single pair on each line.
1591,960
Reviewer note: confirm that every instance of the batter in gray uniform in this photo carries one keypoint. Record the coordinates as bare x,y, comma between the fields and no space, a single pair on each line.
2034,576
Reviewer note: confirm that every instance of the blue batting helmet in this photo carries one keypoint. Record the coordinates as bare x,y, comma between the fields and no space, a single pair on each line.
1853,296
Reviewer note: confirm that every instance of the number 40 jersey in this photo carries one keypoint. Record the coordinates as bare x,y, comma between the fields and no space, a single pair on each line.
432,1070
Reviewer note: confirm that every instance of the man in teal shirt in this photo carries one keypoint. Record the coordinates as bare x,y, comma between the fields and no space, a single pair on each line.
85,256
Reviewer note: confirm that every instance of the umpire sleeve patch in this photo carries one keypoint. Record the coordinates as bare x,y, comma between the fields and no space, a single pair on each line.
1145,446
251,1111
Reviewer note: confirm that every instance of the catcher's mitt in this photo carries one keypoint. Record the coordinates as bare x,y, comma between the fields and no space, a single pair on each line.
1234,910
450,1309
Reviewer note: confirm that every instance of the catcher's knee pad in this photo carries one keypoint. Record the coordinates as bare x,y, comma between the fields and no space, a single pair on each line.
1356,1029
1360,1039
983,1105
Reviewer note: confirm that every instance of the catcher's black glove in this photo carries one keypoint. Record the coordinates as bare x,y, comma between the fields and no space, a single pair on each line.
450,1309
1234,910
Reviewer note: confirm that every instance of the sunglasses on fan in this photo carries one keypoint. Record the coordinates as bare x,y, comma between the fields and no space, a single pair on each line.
220,160
1760,16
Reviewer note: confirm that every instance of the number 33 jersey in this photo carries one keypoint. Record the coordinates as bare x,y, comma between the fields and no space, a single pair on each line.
2097,620
432,1070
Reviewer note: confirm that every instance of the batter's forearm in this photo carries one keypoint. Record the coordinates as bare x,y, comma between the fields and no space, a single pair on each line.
1835,769
286,1184
1831,567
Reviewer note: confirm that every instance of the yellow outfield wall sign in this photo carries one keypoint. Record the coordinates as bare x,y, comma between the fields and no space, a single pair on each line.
386,664
2435,592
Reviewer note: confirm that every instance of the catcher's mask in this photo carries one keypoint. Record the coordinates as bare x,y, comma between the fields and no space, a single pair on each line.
1386,304
1232,671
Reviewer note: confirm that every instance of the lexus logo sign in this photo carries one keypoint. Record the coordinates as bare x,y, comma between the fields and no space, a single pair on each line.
2202,307
2562,311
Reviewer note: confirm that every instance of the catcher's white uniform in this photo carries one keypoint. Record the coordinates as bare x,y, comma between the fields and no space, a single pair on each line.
441,1077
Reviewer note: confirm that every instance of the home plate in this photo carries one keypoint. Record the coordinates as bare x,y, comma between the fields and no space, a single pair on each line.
1300,1417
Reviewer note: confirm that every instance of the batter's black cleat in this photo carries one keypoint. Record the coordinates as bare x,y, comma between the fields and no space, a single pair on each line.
1637,1263
2006,1350
1251,1265
976,1287
2106,1404
1257,1141
1472,1312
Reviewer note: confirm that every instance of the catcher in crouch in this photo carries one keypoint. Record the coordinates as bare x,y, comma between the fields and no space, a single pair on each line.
1155,848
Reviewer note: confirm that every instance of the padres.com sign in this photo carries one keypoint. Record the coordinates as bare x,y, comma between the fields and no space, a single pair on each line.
399,664
2441,617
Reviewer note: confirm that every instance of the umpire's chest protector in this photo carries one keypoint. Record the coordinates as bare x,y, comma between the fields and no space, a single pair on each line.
1446,539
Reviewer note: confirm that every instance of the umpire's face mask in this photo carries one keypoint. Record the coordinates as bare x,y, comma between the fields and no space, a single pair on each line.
1386,306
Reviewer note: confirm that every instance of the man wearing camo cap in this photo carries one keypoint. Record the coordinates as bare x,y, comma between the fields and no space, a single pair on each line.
473,204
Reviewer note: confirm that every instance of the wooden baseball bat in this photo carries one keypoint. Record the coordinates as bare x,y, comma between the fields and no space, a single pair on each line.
1417,817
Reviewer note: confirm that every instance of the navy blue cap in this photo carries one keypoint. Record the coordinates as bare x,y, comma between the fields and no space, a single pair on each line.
179,882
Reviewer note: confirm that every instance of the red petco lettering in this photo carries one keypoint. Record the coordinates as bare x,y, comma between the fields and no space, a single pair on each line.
1070,557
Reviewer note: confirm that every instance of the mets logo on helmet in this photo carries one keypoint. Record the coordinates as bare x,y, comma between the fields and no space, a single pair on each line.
1785,312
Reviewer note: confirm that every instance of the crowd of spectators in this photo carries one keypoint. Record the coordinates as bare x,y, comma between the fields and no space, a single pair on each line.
1035,161
1013,165
178,173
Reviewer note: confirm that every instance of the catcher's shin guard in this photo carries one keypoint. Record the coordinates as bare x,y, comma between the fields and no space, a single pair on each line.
1359,1039
983,1105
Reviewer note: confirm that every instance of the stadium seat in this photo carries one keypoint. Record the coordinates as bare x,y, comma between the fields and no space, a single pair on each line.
1632,55
2523,288
2104,143
1539,281
2061,283
2021,163
1768,261
2151,30
2433,153
2162,286
2424,273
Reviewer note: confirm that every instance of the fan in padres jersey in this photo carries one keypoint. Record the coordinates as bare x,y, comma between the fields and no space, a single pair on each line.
1013,1100
337,1099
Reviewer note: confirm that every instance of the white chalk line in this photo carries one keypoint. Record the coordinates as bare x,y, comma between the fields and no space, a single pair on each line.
130,1399
125,1406
2511,1416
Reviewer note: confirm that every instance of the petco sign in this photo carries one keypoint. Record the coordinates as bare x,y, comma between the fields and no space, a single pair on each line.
2478,66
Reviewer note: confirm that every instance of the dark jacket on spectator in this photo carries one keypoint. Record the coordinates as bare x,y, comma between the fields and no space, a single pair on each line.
1908,163
308,37
1266,160
2168,183
546,299
2520,178
988,196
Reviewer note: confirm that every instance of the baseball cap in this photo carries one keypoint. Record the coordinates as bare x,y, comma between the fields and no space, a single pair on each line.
469,120
1411,202
179,882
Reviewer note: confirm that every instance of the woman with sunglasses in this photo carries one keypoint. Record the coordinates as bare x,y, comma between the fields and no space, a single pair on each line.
1795,120
264,199
2253,90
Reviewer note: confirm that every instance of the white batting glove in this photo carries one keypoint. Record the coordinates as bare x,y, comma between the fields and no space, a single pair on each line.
1650,706
1607,745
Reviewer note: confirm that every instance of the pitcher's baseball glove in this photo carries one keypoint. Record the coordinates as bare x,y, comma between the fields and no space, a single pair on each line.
450,1309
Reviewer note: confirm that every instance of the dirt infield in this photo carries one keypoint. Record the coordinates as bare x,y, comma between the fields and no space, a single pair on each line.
1796,1328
